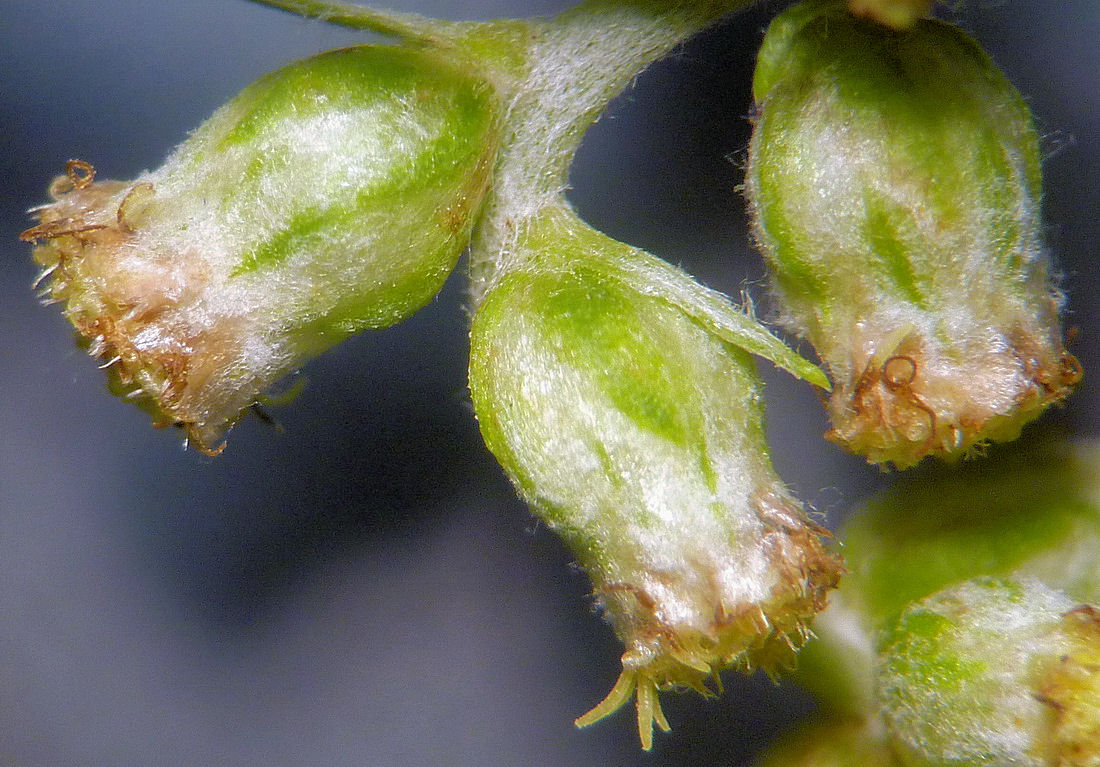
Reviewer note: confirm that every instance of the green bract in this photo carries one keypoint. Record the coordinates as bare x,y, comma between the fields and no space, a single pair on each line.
636,432
894,179
994,672
333,195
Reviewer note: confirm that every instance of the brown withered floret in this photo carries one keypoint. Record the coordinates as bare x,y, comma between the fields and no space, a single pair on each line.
112,301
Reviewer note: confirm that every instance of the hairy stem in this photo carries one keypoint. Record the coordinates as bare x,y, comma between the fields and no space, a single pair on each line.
576,63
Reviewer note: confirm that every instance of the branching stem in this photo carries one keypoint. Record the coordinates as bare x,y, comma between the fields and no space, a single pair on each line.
576,64
555,76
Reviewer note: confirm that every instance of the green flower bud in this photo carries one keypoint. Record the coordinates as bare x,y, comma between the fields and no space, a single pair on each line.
894,179
637,434
1031,509
994,672
333,195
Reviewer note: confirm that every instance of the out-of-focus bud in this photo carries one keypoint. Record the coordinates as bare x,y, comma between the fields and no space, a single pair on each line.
894,180
333,195
899,14
637,434
832,742
1030,508
994,672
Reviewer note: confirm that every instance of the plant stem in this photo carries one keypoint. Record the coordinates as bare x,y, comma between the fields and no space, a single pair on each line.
576,64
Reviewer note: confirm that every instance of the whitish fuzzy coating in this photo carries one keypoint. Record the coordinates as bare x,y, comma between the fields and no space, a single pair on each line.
330,196
894,179
637,434
993,672
574,65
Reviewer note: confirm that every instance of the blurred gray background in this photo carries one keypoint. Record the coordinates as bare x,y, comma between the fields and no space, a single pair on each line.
364,589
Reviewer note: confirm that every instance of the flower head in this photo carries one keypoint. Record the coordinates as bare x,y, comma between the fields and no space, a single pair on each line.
637,434
328,197
994,672
894,179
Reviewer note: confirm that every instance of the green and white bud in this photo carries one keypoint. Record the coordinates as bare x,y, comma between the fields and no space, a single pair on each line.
894,178
1003,672
636,432
330,196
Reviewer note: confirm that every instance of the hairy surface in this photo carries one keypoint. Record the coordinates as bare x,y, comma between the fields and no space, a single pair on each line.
894,182
636,432
329,197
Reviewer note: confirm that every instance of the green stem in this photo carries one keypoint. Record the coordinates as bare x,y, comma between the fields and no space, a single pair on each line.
495,48
576,64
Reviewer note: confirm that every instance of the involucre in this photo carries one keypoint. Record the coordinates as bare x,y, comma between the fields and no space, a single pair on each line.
894,180
637,434
990,671
330,196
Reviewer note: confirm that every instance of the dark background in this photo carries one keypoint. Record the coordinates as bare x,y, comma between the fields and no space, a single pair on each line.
364,589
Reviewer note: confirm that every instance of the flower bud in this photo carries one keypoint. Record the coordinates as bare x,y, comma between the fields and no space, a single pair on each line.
331,196
994,672
637,434
894,180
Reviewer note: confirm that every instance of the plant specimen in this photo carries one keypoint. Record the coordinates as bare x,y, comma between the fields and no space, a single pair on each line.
894,179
